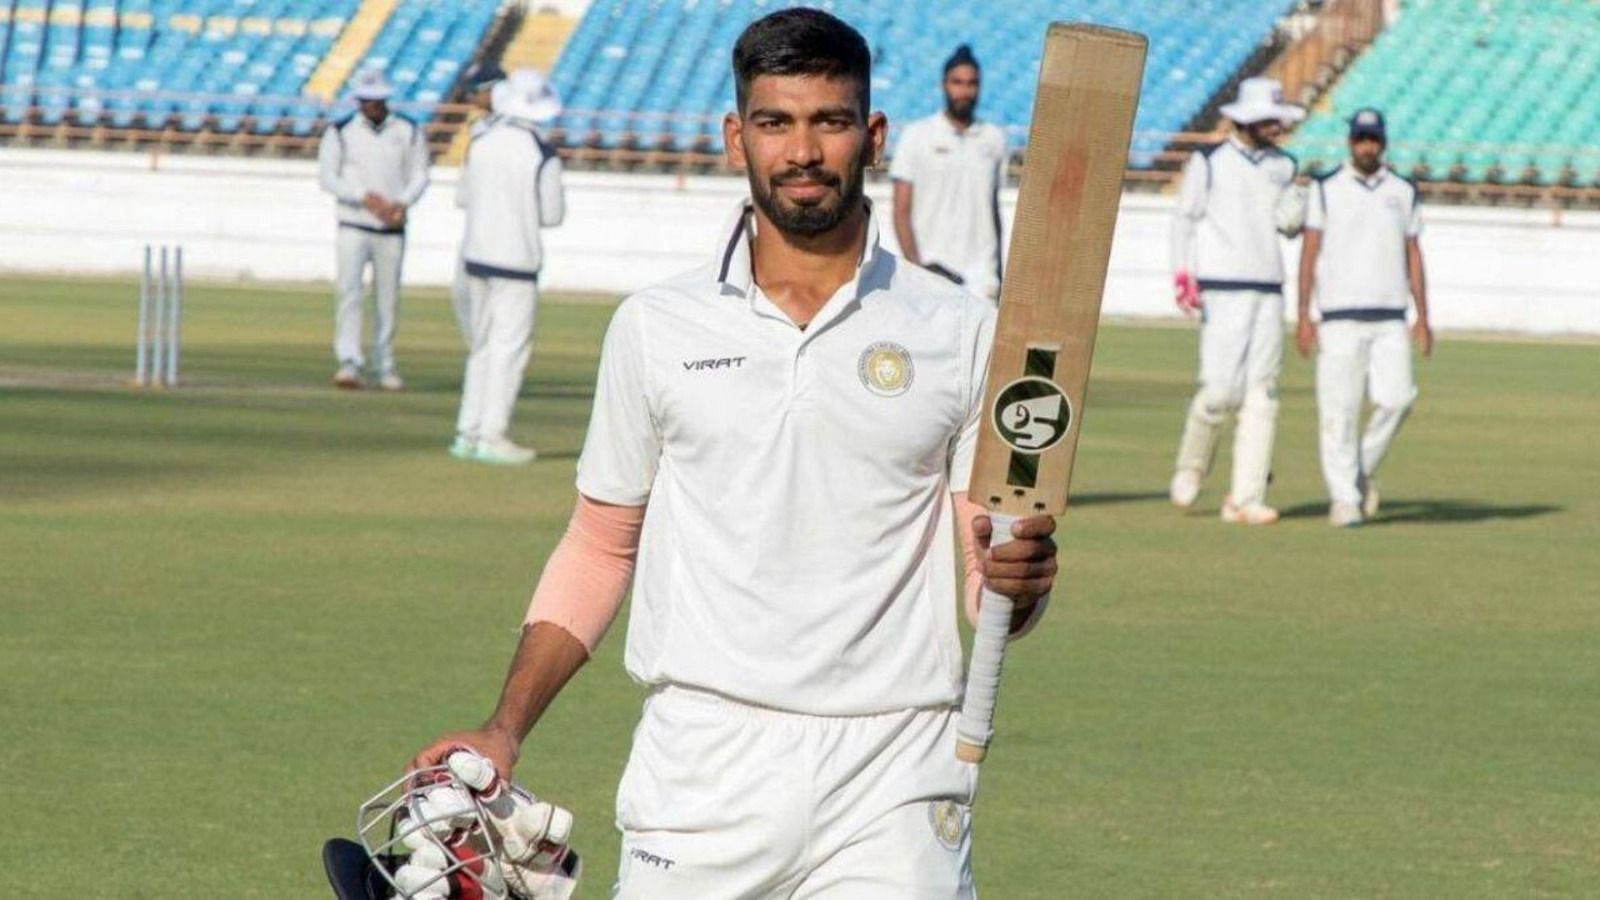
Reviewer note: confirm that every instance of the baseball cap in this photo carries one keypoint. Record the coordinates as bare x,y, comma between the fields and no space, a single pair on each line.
1368,123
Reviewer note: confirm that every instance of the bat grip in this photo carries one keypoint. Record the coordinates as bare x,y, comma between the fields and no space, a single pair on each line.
976,726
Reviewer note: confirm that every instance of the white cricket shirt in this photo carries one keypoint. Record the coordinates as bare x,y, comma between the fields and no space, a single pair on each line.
1365,222
510,188
356,156
794,553
956,178
1225,230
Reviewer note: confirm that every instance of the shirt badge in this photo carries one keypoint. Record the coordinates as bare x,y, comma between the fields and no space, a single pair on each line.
886,369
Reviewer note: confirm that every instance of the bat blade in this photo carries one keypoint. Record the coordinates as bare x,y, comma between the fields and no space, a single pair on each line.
1056,268
1049,311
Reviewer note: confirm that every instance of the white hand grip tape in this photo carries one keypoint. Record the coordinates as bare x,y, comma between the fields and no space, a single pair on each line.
976,726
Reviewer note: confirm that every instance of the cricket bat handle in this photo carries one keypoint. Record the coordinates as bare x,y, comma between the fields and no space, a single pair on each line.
976,726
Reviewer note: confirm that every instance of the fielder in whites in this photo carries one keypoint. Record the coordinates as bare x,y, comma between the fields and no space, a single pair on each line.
510,189
772,437
948,170
375,164
1362,261
481,77
1237,197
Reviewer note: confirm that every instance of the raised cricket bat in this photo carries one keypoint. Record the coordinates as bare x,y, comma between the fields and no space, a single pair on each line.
1049,311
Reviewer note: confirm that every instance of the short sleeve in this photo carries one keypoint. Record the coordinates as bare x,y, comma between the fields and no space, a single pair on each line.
623,447
1316,207
965,445
903,164
1414,220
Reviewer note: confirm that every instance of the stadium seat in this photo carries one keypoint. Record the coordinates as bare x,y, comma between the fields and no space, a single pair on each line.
653,73
217,64
1500,92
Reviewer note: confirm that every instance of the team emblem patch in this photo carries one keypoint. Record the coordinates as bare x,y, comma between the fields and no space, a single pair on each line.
1031,414
948,821
885,369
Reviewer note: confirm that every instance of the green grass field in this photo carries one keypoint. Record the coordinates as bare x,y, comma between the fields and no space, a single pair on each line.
232,611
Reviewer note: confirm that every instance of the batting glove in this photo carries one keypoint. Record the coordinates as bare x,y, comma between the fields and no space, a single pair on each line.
1186,292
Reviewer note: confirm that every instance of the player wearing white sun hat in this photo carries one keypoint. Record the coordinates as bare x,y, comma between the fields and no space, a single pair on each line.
510,189
375,164
1237,197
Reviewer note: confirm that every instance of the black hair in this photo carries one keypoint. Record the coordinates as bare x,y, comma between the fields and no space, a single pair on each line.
962,57
802,41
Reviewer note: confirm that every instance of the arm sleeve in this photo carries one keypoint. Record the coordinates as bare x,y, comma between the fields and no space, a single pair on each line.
972,586
623,446
965,443
1414,220
552,198
1316,207
416,169
587,577
330,162
903,164
1191,209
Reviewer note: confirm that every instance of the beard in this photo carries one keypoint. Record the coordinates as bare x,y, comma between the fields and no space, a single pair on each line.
1265,135
961,110
806,220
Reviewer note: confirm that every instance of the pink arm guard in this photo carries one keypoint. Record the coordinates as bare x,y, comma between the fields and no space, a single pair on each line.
587,577
972,588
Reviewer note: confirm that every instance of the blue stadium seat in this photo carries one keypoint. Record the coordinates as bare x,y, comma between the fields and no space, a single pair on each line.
216,64
655,72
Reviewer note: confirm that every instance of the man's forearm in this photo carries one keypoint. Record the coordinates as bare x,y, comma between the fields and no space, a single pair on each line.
1419,281
547,657
907,238
1310,246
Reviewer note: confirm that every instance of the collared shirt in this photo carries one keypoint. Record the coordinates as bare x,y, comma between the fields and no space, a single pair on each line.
1365,222
956,178
796,550
356,156
1225,230
510,188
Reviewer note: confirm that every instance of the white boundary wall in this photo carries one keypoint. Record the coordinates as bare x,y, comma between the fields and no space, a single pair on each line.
78,212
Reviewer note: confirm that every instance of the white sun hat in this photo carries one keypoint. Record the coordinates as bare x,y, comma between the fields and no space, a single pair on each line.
526,95
370,84
1261,100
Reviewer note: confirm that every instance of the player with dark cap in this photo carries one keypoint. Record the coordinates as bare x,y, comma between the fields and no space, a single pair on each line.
1362,260
948,170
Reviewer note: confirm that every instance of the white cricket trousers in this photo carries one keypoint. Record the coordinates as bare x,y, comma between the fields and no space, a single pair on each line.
461,302
1241,354
503,311
385,252
1356,359
725,801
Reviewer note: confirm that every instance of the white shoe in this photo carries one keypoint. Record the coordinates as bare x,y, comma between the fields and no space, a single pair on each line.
464,448
1185,489
348,377
391,381
1344,515
502,452
1369,498
1252,514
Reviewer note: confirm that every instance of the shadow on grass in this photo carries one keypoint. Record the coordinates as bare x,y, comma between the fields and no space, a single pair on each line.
1113,498
1444,511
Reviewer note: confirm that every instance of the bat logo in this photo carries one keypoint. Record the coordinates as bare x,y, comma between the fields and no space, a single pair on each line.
1032,414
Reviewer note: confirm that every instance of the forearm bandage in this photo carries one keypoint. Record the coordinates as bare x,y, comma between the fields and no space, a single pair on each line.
972,589
587,577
